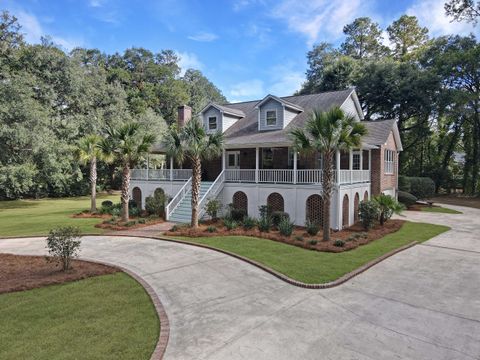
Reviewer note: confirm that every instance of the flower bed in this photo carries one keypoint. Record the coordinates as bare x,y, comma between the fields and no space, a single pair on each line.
134,223
346,239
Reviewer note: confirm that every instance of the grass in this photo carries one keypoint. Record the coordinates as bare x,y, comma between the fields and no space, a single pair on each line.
37,217
104,317
439,209
314,267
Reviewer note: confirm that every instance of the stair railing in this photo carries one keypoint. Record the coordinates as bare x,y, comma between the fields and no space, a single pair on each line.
211,193
177,198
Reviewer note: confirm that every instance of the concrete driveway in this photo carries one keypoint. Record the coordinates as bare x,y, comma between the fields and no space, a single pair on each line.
423,303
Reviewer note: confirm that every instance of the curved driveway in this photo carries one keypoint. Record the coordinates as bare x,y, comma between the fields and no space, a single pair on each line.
423,303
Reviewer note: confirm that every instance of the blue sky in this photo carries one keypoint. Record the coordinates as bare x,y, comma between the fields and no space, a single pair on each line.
248,48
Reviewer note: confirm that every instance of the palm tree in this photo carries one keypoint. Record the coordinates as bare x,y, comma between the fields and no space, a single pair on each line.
192,143
388,206
328,132
89,152
126,145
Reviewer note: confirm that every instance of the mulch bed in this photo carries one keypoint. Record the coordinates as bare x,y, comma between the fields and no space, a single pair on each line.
18,272
121,227
353,236
89,215
418,207
459,199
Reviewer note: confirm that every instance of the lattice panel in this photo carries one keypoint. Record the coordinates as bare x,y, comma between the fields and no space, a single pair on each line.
275,202
356,203
315,209
345,217
240,200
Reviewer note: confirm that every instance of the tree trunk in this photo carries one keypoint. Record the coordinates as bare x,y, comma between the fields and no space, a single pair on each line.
196,180
476,150
93,185
125,192
327,184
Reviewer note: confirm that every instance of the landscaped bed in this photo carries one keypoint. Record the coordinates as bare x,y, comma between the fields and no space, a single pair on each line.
316,267
432,208
101,317
347,239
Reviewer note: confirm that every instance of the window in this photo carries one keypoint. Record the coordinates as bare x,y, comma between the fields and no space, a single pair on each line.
267,158
212,123
389,156
291,154
271,118
356,161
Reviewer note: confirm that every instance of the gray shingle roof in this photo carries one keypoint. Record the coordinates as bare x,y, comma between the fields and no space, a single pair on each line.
378,131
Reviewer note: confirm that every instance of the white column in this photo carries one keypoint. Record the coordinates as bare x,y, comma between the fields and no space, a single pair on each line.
294,167
171,168
370,166
337,161
257,162
148,167
361,159
350,164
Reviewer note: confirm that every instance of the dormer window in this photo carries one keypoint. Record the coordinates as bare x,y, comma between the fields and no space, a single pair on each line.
271,117
212,123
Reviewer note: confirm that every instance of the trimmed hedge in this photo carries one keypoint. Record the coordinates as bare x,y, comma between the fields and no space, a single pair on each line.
422,187
406,198
404,183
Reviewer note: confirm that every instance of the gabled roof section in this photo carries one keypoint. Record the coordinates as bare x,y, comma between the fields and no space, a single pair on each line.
379,130
282,101
224,109
356,101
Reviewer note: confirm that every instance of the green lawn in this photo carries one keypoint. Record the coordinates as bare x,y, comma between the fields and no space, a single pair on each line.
439,209
37,217
104,317
314,267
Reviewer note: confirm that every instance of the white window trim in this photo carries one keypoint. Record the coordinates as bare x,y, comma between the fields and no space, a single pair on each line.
389,161
216,123
266,119
356,153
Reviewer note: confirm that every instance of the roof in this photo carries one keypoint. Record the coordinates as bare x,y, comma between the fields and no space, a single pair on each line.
379,130
245,132
225,109
281,101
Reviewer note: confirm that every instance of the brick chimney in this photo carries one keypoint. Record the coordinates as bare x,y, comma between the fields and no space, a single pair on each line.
184,115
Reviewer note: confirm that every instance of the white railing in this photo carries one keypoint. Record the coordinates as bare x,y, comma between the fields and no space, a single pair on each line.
240,175
161,174
211,193
280,176
176,200
310,176
354,176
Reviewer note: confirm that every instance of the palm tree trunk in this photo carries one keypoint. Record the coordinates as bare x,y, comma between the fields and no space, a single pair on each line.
93,185
327,184
125,192
196,179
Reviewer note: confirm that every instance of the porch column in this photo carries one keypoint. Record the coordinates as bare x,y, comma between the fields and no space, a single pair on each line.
370,165
337,161
361,159
148,166
294,167
350,164
171,168
223,159
257,162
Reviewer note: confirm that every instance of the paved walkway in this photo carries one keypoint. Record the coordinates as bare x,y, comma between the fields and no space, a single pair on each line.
423,303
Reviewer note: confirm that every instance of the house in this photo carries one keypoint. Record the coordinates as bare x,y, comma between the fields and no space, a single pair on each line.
259,167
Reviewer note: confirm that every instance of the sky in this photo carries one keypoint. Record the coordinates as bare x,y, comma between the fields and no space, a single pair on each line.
247,48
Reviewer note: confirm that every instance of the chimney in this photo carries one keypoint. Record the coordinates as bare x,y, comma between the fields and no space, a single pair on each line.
184,115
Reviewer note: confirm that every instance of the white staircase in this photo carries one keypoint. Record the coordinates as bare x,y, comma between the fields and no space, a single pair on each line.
182,213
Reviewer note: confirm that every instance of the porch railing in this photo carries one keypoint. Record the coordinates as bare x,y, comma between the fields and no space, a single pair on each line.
354,176
211,193
161,174
176,200
240,175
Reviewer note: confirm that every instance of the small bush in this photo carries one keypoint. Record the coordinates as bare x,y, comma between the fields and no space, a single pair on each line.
285,227
368,212
313,242
230,224
350,238
174,228
387,206
142,221
155,205
339,243
422,187
278,216
249,223
406,198
211,229
63,245
264,224
404,183
312,227
237,214
212,208
264,211
107,203
130,223
299,238
133,211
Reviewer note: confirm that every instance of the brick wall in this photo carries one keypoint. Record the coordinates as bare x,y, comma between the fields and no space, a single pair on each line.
381,181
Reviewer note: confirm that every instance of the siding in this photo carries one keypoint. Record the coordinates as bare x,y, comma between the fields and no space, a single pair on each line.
228,121
212,112
349,108
271,105
289,115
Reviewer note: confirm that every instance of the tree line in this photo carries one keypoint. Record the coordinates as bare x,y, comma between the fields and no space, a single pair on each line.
430,85
50,99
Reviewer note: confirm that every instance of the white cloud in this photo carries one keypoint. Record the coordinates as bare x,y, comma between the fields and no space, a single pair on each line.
431,14
285,80
320,19
188,61
203,36
248,89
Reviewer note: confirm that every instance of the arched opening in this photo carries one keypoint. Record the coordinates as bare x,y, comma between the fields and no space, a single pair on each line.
314,210
240,201
365,196
137,197
345,212
275,202
356,203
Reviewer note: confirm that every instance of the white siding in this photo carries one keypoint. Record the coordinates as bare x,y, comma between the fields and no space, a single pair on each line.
349,108
289,115
228,121
212,112
267,106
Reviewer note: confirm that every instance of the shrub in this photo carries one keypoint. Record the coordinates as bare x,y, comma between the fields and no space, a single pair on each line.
368,212
211,229
264,211
130,223
249,223
107,203
422,187
63,244
212,208
264,224
339,243
313,242
230,224
404,183
174,228
142,221
155,205
312,227
285,227
299,238
406,198
237,214
115,211
278,216
387,206
133,211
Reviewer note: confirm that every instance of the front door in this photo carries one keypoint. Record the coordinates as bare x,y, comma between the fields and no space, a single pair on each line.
233,159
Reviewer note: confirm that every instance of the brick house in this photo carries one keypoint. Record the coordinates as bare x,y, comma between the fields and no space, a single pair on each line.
259,167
